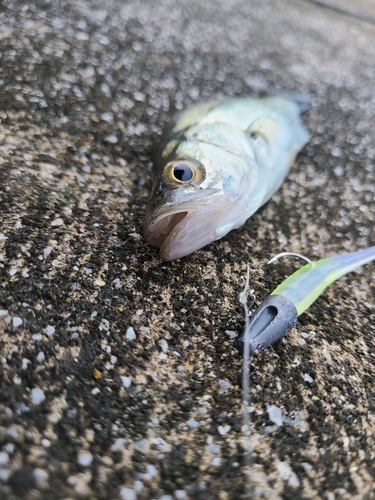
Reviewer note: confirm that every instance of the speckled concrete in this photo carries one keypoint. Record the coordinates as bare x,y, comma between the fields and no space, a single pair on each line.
120,374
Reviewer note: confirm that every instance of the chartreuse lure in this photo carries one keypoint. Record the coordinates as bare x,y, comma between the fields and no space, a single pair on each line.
278,313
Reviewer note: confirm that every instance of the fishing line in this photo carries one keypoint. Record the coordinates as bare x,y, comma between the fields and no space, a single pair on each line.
246,376
344,10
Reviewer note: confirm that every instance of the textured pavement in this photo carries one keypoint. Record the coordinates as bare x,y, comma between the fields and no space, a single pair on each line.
120,377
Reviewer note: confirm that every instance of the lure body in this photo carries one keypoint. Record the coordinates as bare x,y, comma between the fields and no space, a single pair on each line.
216,164
304,286
278,313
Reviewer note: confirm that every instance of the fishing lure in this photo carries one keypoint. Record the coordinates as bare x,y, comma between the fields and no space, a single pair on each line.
216,164
278,313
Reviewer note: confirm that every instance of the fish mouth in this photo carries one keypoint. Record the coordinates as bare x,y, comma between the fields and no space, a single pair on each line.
159,229
183,228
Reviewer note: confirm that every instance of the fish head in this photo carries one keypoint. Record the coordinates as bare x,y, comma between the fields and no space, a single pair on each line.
189,208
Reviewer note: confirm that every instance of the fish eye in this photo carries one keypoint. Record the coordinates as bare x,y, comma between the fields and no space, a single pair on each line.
184,172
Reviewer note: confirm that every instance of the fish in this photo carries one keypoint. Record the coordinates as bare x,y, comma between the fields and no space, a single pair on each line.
216,164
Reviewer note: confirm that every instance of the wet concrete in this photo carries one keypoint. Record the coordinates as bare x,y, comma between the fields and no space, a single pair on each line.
120,374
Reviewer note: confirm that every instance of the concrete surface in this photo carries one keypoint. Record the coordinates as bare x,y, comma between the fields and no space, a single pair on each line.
119,379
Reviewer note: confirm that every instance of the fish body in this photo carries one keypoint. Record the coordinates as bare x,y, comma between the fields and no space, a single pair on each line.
216,164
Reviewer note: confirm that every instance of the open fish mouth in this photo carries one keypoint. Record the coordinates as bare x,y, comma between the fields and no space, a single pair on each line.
159,229
174,232
183,228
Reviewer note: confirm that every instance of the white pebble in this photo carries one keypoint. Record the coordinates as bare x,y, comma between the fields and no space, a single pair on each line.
49,330
12,432
192,423
213,448
231,334
46,252
37,396
25,362
185,343
140,312
287,474
151,470
95,391
40,357
85,459
106,116
112,139
41,477
128,494
4,475
275,414
4,458
138,486
80,483
118,445
140,444
3,312
180,494
104,325
307,378
159,441
126,381
45,443
17,321
10,447
166,497
339,170
223,429
224,385
308,467
216,461
163,344
130,333
54,417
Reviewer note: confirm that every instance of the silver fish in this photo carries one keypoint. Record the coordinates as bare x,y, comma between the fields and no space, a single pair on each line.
216,164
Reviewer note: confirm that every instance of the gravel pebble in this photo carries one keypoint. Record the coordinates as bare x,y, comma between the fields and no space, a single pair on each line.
37,396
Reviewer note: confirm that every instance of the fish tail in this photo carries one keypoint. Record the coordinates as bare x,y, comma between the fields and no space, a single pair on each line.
302,101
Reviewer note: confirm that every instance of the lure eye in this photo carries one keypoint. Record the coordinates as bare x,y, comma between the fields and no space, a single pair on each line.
184,172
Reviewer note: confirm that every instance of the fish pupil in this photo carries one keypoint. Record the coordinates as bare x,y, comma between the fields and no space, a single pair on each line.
183,173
